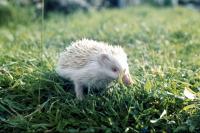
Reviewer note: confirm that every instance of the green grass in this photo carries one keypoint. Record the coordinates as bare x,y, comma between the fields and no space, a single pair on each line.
163,46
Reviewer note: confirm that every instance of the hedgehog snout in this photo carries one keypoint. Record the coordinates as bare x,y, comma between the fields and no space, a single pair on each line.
127,80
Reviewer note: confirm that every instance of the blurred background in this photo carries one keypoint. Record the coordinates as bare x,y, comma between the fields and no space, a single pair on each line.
71,6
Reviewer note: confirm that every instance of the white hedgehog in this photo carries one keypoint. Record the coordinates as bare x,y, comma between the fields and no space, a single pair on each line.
93,64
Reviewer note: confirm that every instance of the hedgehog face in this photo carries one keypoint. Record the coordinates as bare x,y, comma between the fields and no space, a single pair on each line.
115,68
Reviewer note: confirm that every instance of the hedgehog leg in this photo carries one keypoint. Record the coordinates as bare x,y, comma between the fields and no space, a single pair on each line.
79,91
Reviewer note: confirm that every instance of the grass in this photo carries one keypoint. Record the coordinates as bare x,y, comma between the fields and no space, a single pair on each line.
163,47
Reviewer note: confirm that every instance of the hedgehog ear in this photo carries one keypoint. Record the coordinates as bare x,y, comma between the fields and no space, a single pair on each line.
103,59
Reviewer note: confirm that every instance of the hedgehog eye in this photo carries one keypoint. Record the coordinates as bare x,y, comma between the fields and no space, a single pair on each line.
114,69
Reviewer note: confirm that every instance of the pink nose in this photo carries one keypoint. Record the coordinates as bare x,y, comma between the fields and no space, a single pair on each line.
127,80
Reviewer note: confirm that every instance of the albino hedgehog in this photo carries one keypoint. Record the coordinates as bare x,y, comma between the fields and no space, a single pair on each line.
93,64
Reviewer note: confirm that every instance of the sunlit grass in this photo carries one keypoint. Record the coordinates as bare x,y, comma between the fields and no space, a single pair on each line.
163,47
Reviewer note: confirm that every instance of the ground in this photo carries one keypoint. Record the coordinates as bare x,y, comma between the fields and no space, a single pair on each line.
163,46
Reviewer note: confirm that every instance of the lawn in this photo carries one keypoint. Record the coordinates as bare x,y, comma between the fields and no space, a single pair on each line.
163,46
